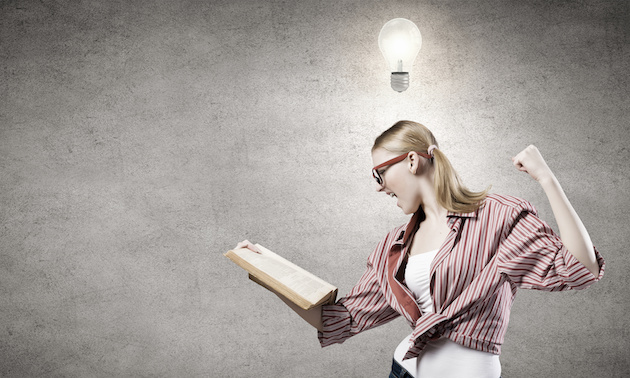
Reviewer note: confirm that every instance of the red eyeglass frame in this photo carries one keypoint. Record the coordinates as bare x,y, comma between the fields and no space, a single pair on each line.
377,176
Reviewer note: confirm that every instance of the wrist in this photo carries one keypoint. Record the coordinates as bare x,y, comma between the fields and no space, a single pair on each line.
549,182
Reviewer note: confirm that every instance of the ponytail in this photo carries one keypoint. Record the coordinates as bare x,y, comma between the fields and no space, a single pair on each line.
450,191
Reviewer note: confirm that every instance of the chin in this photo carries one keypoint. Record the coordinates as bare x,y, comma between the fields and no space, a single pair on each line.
409,210
406,211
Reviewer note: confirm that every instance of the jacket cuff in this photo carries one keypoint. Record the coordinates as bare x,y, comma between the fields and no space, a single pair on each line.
336,322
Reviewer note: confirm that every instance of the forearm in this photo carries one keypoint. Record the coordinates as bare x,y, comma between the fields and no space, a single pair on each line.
312,316
572,231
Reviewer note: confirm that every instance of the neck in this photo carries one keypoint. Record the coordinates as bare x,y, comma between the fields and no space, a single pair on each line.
432,209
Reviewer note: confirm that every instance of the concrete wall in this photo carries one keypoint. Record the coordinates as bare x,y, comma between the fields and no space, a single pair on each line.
139,140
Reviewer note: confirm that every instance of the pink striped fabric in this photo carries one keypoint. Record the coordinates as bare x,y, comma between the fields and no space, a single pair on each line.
487,255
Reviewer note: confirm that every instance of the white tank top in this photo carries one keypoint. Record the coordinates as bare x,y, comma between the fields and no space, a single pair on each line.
442,358
417,278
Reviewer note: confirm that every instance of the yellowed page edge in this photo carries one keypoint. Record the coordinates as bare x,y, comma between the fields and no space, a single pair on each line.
269,281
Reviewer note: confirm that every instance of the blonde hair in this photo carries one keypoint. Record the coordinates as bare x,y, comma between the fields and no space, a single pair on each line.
407,136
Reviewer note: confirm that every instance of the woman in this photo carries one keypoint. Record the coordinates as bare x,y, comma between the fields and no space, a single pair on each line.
452,271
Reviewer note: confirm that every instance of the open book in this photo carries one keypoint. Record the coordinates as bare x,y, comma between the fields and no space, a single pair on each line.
268,269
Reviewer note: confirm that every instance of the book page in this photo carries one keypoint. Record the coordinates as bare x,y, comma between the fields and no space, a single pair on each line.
303,283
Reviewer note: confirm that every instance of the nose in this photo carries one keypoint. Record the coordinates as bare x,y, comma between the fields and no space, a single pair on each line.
379,187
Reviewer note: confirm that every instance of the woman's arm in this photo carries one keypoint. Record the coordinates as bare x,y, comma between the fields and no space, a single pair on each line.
572,231
363,308
312,316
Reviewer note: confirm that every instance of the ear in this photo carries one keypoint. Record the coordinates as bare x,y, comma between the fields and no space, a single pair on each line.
414,163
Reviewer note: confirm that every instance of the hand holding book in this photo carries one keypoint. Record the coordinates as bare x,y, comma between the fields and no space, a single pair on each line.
302,291
247,244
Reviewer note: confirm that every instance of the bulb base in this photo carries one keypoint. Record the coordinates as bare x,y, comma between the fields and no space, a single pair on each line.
400,81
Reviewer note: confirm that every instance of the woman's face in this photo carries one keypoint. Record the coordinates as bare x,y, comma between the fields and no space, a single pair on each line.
399,180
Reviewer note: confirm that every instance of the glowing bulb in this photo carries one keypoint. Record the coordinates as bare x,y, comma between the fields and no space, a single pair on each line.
400,41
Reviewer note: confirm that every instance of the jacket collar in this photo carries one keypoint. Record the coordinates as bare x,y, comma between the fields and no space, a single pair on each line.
409,229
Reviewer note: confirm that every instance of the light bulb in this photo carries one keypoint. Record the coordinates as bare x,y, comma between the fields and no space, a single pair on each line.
400,41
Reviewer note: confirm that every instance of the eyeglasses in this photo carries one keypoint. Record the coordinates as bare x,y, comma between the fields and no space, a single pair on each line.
397,159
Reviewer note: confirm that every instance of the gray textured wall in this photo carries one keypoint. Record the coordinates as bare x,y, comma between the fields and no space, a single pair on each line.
139,140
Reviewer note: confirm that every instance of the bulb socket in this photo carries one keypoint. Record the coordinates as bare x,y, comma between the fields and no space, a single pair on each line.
400,81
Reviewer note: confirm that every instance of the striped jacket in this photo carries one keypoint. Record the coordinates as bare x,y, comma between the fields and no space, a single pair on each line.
487,255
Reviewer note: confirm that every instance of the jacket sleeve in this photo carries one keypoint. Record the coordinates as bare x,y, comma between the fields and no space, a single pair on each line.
534,257
363,308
